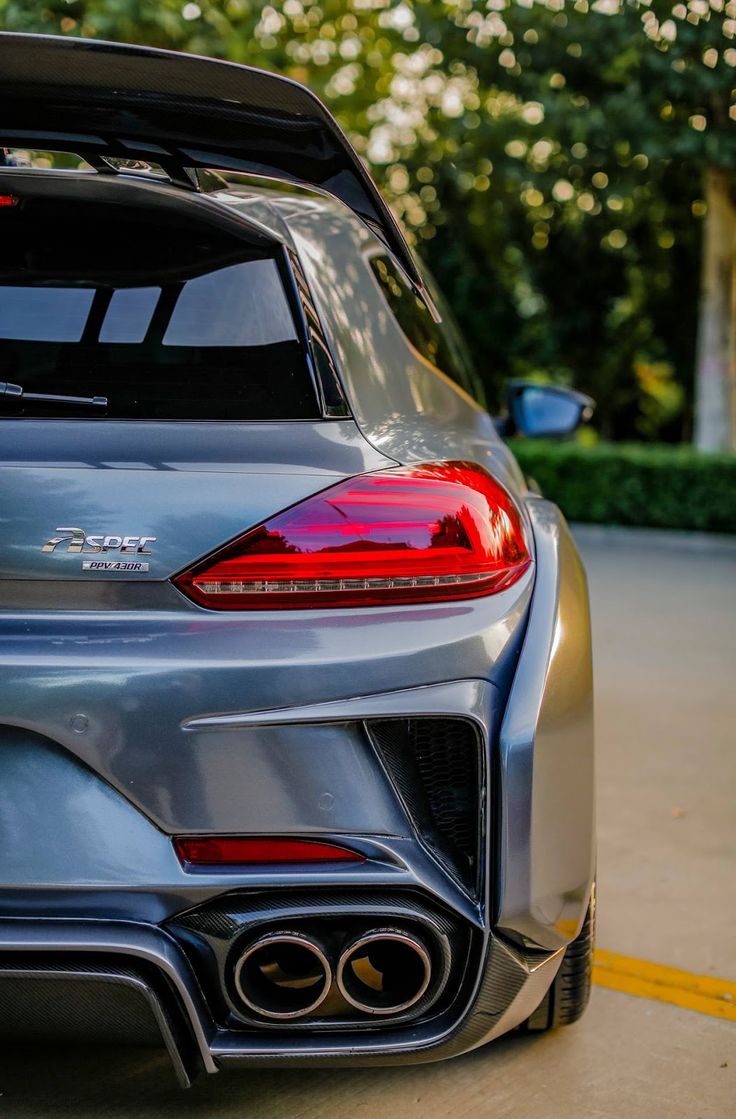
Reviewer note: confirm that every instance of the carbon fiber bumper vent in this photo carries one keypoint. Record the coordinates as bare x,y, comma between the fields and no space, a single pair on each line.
437,768
215,934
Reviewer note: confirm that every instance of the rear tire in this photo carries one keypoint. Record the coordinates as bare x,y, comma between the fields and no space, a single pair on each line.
568,996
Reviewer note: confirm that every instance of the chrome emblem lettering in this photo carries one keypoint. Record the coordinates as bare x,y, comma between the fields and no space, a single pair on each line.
113,565
76,540
74,537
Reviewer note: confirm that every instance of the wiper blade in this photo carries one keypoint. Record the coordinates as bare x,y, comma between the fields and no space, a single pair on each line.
17,392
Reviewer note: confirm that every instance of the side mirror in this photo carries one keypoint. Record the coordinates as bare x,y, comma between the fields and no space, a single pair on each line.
543,411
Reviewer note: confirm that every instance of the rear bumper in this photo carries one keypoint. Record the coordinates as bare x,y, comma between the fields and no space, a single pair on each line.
185,728
73,955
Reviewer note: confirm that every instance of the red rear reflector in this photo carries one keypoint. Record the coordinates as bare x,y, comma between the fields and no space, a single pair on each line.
429,533
227,850
9,200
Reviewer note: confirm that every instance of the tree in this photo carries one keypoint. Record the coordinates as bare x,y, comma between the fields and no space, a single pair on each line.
624,87
716,361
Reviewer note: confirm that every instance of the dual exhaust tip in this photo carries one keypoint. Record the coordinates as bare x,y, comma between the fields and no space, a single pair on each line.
285,975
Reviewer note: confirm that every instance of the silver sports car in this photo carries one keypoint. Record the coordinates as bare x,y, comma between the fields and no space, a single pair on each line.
296,746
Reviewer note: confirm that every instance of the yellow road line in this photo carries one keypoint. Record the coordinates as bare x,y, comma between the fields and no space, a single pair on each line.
646,980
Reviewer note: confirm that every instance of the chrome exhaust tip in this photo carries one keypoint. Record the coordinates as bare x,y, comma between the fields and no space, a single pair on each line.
384,971
282,975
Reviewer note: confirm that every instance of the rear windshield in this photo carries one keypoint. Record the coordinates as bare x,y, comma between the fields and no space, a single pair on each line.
156,320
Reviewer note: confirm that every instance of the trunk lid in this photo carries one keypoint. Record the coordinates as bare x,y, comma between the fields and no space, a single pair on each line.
186,487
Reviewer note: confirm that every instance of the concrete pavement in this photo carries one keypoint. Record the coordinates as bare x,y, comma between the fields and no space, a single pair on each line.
665,645
664,626
627,1059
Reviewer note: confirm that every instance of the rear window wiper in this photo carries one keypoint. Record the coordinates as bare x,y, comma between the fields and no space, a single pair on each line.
17,392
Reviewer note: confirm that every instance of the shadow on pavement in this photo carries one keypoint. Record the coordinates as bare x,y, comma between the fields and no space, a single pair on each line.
105,1083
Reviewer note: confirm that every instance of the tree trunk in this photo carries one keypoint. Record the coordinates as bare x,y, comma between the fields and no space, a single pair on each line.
715,370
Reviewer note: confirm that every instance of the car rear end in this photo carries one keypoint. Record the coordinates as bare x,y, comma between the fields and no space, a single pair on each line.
261,806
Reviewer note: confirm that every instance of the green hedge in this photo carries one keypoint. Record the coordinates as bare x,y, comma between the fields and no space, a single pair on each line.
635,484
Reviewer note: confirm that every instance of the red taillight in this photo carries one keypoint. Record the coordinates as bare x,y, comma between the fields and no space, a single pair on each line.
9,200
230,850
417,534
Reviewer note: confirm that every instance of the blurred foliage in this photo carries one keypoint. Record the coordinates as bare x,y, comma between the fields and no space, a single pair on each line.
653,485
546,155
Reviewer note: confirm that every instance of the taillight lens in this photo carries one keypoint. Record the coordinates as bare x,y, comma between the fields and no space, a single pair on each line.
429,533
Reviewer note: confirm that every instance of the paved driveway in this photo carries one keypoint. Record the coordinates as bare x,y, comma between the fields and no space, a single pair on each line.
664,613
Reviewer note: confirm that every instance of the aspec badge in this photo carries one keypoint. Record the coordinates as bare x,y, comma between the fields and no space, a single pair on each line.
75,541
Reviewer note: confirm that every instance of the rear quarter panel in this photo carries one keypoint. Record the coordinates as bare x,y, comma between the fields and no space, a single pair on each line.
406,409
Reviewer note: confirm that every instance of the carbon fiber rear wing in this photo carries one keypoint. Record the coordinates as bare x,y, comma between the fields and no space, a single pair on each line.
111,100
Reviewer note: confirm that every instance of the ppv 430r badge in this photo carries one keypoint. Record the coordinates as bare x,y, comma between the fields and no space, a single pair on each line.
78,542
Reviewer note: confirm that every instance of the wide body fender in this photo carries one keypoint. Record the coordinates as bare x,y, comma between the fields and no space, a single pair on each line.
546,789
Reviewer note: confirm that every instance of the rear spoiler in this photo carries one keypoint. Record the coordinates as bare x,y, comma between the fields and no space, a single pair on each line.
112,100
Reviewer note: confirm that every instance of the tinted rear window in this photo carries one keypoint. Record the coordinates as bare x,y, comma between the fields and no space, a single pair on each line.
165,321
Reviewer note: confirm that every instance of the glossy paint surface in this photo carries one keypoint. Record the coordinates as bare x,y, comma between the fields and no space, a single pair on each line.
547,850
141,681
